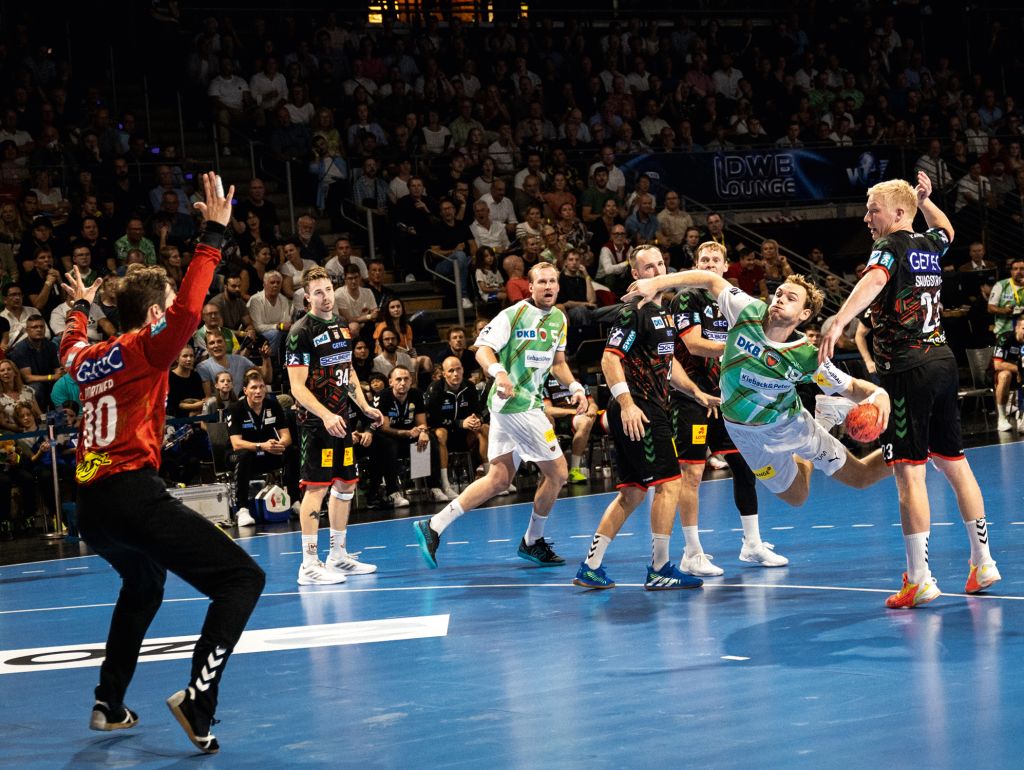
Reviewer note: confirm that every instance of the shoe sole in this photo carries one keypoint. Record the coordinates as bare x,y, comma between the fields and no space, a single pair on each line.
581,584
309,582
916,604
981,587
703,574
174,704
673,588
764,564
424,550
538,562
367,569
103,726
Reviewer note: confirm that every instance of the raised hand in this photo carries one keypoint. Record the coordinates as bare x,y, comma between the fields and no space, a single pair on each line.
217,204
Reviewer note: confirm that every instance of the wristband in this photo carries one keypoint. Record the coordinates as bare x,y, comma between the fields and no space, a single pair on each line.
575,387
618,389
49,378
871,399
280,327
493,369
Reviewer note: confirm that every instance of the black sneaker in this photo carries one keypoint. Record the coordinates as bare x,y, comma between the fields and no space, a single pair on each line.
540,553
195,726
428,540
105,718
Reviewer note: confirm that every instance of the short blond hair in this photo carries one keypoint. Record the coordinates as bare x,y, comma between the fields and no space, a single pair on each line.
714,245
815,296
532,275
896,194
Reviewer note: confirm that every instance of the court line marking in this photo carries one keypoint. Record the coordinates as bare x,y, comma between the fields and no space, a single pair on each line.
483,507
399,589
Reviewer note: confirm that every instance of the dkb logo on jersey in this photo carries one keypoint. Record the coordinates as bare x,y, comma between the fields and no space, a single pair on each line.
526,334
749,346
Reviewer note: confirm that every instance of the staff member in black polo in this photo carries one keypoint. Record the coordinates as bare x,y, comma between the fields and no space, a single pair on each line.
260,442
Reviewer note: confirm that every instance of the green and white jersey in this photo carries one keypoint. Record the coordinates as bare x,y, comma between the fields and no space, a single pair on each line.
525,340
1005,293
759,376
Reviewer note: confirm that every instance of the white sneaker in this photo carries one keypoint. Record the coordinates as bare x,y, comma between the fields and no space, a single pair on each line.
762,553
439,495
243,518
830,411
316,574
1002,423
410,278
467,303
397,501
511,489
347,564
700,565
716,462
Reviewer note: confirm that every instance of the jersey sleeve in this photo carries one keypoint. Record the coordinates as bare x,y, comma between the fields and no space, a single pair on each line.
830,378
623,334
297,348
563,335
938,237
732,302
496,334
234,419
882,257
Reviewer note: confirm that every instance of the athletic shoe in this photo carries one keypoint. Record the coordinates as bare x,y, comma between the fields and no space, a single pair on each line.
576,476
105,718
595,577
668,578
243,518
762,553
438,495
982,577
196,727
830,411
914,594
347,564
467,303
397,501
315,573
428,539
700,564
540,553
511,489
717,463
1002,423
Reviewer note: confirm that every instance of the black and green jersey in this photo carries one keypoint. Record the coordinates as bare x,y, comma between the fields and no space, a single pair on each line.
906,313
645,339
695,311
325,347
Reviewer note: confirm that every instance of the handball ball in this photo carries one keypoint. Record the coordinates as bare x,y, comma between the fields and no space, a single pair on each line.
861,423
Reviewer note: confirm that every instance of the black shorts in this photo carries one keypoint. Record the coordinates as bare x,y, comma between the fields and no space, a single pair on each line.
696,432
325,458
925,417
650,461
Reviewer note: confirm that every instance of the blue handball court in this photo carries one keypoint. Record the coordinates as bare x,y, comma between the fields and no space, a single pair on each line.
489,661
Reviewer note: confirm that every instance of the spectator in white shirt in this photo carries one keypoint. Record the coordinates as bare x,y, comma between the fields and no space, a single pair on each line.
268,87
271,312
487,232
230,101
342,258
502,210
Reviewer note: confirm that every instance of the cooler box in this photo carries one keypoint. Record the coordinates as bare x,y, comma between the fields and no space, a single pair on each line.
210,500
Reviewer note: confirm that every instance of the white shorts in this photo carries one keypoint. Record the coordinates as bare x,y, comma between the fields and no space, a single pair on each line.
769,449
527,435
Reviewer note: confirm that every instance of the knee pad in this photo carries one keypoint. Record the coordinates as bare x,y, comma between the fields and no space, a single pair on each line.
344,496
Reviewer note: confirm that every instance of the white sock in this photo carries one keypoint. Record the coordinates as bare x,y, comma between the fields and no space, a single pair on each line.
692,541
977,533
445,481
536,528
751,529
439,521
1001,410
917,557
659,550
338,541
309,549
575,461
598,546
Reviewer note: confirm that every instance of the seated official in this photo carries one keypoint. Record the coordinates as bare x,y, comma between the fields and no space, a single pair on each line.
260,442
455,416
558,408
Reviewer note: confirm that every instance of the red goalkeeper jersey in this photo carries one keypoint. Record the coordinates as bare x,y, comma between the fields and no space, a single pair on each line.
123,381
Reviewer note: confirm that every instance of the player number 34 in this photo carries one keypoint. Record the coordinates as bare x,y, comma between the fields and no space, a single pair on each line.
99,421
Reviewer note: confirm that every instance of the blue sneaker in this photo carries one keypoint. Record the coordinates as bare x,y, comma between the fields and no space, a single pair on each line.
592,578
668,578
428,540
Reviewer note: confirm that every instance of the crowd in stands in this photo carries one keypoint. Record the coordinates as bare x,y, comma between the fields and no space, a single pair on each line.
479,151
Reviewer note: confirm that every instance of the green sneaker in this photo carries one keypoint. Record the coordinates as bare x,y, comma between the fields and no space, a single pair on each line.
576,476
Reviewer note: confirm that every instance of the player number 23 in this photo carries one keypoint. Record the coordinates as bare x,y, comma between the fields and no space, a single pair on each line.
99,421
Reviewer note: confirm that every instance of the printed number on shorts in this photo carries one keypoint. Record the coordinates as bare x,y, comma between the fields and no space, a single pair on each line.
99,421
887,452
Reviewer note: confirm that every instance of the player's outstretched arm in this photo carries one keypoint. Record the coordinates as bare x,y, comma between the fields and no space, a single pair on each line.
933,215
646,289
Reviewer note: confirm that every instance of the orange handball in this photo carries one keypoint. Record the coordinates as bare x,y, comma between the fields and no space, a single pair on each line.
862,423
